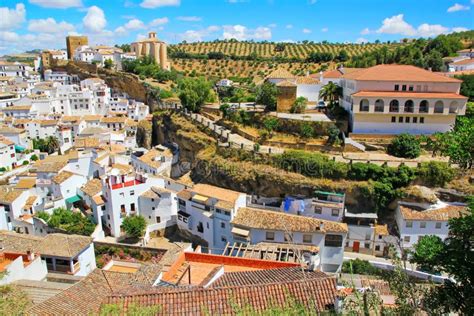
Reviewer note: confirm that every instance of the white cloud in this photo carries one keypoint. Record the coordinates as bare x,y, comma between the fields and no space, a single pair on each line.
460,29
213,28
159,21
324,29
242,33
272,25
312,1
12,18
427,30
396,25
362,40
151,4
134,24
458,7
59,4
189,18
94,21
289,26
306,31
198,35
49,25
365,31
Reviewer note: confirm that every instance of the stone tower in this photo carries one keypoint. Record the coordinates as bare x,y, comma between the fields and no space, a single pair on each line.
286,95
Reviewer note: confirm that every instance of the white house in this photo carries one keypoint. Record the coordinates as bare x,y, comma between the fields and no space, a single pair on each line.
84,53
394,99
154,161
225,83
205,211
253,226
17,266
159,208
414,223
7,153
462,65
468,53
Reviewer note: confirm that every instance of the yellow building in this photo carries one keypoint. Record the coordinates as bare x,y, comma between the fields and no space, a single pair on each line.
286,95
73,42
154,48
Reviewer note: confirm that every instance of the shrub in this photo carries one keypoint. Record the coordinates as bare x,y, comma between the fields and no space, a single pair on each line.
299,106
404,146
359,267
134,226
25,162
71,222
435,173
306,130
34,158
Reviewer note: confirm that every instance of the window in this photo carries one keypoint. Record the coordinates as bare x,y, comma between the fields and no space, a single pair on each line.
318,210
200,227
393,106
439,107
335,212
410,88
158,219
415,120
422,120
407,119
152,208
400,119
364,105
223,239
409,224
379,105
377,248
404,87
397,87
406,239
423,225
367,245
333,241
394,119
409,106
132,192
424,105
368,235
453,107
307,238
270,236
438,225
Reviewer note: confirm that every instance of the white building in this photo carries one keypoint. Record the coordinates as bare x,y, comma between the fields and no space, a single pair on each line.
394,99
159,208
225,83
254,226
17,266
462,65
7,153
414,223
307,86
206,211
155,161
84,53
60,76
13,69
468,53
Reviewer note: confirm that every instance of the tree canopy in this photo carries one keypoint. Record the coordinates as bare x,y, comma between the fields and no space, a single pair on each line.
134,225
331,93
405,146
71,222
267,95
194,92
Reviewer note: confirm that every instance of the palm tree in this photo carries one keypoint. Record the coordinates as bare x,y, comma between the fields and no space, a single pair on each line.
52,144
331,92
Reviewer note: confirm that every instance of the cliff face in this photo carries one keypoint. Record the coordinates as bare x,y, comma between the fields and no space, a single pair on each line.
144,134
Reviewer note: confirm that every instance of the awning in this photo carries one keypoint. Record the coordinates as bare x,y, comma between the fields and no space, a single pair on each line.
240,231
19,148
73,199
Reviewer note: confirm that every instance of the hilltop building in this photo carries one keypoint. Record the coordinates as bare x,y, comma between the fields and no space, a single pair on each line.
154,48
73,42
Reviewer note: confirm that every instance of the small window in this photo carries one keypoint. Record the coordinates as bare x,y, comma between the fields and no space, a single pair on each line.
400,119
407,119
335,212
222,225
377,247
223,239
270,236
317,210
158,219
333,241
423,225
404,87
438,225
394,119
367,245
409,224
422,120
397,87
415,120
307,238
406,239
410,88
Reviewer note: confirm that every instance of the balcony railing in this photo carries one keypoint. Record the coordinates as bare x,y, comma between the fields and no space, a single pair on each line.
125,184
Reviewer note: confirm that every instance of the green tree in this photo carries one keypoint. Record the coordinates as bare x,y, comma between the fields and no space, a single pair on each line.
454,256
435,173
108,64
267,95
333,134
193,93
270,124
299,106
425,251
467,86
71,222
458,143
225,109
405,146
33,157
434,60
342,56
134,225
306,130
331,93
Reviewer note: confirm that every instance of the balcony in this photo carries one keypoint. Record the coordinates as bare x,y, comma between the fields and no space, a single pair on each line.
125,184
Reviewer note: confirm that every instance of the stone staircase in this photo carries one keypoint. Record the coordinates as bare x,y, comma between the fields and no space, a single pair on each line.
40,291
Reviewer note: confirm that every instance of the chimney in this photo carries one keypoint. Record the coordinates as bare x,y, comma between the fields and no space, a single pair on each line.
30,255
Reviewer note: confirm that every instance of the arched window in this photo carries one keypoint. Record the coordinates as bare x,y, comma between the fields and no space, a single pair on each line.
364,105
453,107
379,105
424,105
409,106
394,106
439,107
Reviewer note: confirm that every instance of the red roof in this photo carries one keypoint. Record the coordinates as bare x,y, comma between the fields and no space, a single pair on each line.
409,94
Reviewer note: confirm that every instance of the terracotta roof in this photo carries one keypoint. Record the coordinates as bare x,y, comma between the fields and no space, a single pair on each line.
6,141
124,169
113,119
244,278
150,194
98,200
70,118
92,117
307,80
17,108
92,187
281,73
150,157
316,294
47,122
216,192
440,214
51,164
410,94
8,195
86,142
62,176
464,62
286,83
26,183
30,201
271,220
10,130
62,245
381,230
397,73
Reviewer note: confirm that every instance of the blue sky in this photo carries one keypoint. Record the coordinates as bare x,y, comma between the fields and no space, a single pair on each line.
32,24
